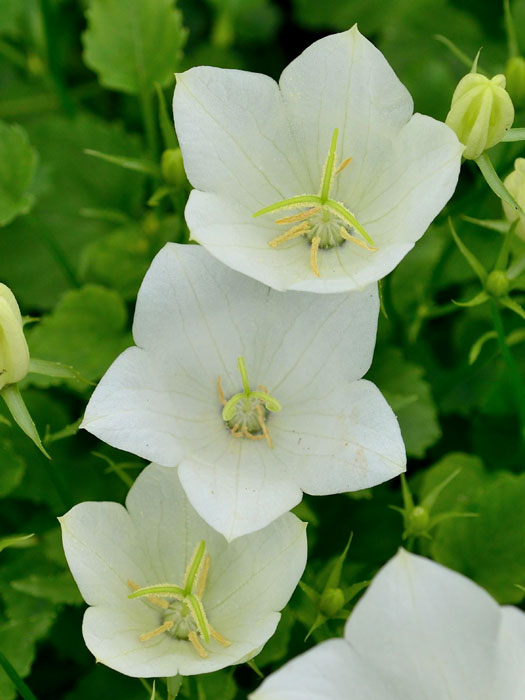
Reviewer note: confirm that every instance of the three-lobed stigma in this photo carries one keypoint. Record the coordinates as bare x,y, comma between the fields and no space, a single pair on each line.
181,609
324,222
245,413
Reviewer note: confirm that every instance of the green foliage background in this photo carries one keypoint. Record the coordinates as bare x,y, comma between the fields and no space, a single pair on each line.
77,234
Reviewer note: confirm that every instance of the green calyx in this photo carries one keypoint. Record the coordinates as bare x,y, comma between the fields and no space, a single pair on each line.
246,401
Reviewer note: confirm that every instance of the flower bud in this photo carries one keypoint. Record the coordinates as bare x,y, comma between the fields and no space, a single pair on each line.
332,600
515,184
172,167
418,522
14,354
515,74
481,112
498,283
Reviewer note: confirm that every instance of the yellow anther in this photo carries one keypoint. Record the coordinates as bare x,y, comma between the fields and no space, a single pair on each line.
159,630
342,166
313,256
204,575
348,237
222,640
153,599
266,434
294,232
197,645
262,388
301,216
222,398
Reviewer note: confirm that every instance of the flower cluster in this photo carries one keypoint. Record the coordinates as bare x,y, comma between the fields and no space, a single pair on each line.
245,387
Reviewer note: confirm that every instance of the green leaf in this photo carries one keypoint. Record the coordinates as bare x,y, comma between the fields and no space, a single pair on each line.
17,408
87,330
494,182
132,44
60,588
22,688
217,685
56,225
403,385
12,464
490,548
17,167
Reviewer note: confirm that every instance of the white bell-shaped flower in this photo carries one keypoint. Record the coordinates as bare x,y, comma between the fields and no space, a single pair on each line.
320,183
255,395
169,595
420,631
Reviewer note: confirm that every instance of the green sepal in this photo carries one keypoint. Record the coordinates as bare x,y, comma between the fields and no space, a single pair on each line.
140,165
479,299
499,225
165,122
477,347
517,134
472,260
16,405
55,369
17,541
513,305
494,182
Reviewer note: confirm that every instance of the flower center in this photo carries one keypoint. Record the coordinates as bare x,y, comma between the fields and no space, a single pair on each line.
324,222
181,608
245,413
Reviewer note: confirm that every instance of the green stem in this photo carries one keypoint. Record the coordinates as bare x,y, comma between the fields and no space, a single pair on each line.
517,384
19,684
517,134
52,33
512,39
60,257
148,119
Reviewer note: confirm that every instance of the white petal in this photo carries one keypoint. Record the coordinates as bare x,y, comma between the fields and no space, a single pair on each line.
102,552
255,577
431,630
329,671
344,82
140,407
345,440
509,681
235,137
238,486
412,184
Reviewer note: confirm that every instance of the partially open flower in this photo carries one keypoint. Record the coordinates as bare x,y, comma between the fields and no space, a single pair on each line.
481,112
14,354
320,183
420,631
168,594
255,395
515,184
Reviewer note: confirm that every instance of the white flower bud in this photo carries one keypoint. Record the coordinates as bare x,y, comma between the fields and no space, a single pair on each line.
481,113
515,183
14,354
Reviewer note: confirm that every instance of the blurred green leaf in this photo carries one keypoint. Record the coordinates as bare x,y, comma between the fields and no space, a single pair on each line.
410,396
60,588
132,44
87,330
18,161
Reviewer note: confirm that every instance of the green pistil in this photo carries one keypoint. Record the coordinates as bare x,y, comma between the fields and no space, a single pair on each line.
322,200
269,402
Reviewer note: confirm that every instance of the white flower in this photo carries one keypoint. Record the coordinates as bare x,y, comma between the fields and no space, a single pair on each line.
197,325
420,631
218,603
14,354
322,183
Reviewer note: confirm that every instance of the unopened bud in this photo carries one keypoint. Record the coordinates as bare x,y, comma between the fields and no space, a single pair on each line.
419,521
172,167
14,354
515,74
515,184
497,283
332,600
481,112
